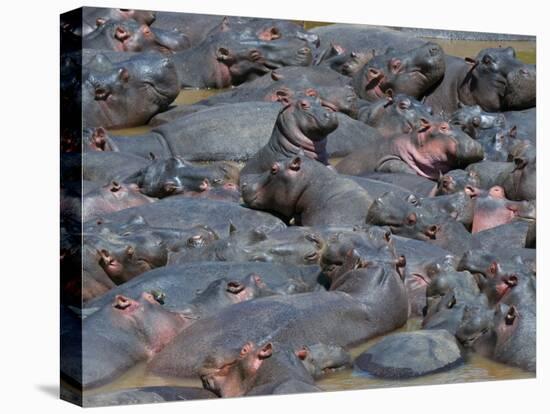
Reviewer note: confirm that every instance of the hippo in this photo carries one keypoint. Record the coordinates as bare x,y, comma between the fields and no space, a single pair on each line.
320,359
353,37
305,188
495,80
493,209
227,59
130,36
120,335
178,285
516,337
396,114
413,73
107,166
521,183
255,370
411,354
302,126
490,173
110,198
233,132
128,93
473,120
427,152
294,245
171,176
348,64
333,317
92,16
457,180
183,213
146,395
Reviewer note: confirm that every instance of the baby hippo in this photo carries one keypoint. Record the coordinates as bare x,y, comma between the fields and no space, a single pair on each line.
308,191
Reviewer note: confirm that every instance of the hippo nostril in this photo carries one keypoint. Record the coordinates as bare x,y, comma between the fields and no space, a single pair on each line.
524,71
434,51
101,94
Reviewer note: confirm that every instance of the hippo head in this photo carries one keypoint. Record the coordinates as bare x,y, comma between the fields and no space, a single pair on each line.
306,121
141,16
499,81
411,73
437,148
149,82
131,36
277,189
96,139
457,180
127,195
122,261
355,62
471,119
282,29
231,373
286,52
397,114
319,359
156,326
476,326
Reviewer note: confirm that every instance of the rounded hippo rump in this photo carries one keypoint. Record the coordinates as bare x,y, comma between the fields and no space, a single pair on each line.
129,93
411,354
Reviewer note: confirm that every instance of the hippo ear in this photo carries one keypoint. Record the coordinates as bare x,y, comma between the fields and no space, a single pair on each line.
295,164
232,228
257,235
204,185
266,351
100,21
225,25
169,187
282,95
152,156
247,347
452,301
511,315
389,93
123,75
513,131
302,353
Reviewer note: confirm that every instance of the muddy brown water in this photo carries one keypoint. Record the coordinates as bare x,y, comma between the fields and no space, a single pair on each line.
476,368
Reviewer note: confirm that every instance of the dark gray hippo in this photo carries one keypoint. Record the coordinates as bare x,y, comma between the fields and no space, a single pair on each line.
121,334
131,36
337,318
255,370
495,80
146,395
228,58
183,213
411,354
303,126
103,167
302,188
178,285
354,37
129,93
293,245
429,152
412,73
92,16
232,132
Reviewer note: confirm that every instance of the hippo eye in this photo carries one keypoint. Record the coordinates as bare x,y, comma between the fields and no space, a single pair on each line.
404,104
452,302
486,60
395,64
412,199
